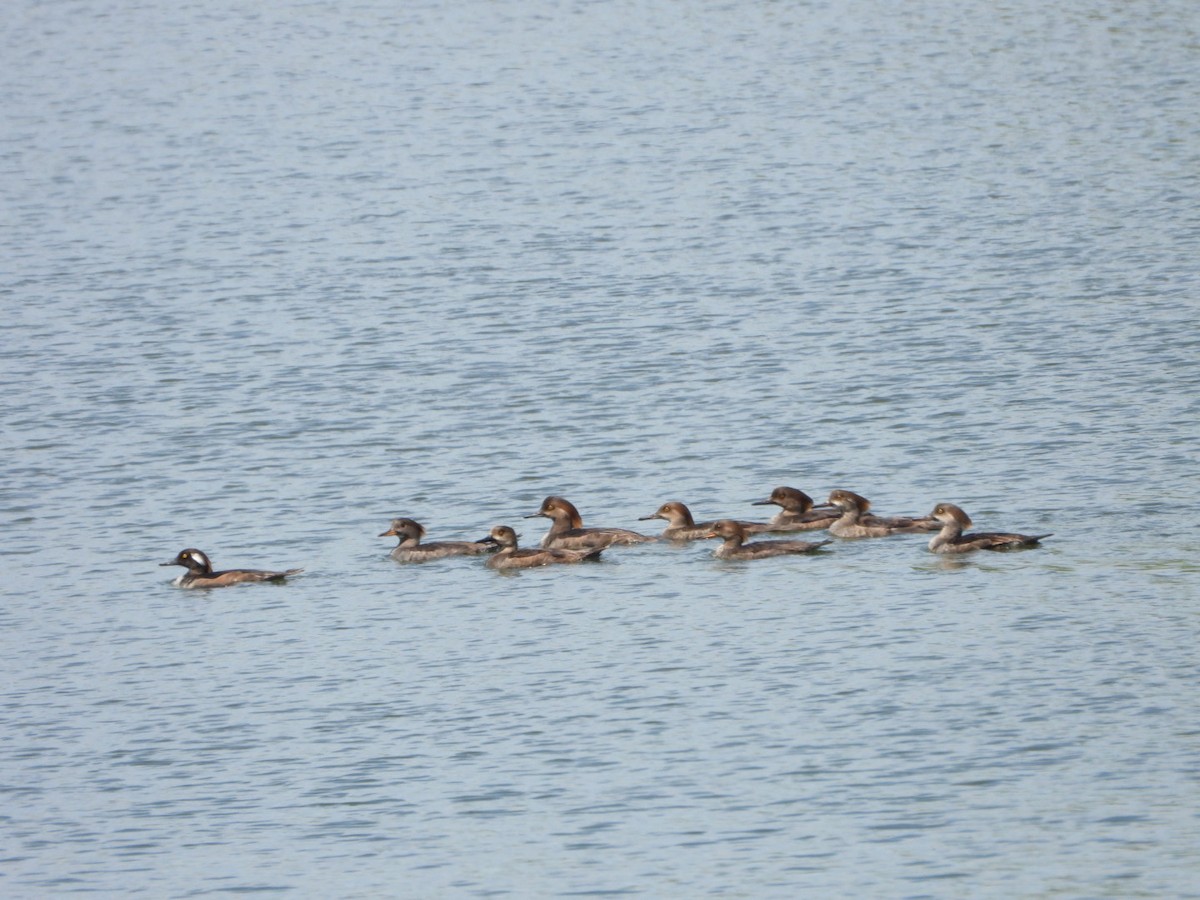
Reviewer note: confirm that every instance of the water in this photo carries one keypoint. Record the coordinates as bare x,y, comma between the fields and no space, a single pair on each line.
274,274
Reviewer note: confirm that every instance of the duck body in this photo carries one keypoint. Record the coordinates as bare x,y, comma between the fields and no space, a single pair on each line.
854,522
511,556
567,531
680,524
200,572
797,513
410,548
734,544
952,539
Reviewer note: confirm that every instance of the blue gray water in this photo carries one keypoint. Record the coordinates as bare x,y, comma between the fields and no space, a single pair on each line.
274,273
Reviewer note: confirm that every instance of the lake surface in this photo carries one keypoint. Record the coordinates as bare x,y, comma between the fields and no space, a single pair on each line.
275,273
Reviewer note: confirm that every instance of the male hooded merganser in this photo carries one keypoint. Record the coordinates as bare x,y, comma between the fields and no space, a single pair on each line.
510,556
681,526
952,540
567,531
410,548
734,546
855,523
797,513
200,572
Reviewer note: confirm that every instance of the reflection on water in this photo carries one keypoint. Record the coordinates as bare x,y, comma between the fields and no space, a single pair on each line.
278,277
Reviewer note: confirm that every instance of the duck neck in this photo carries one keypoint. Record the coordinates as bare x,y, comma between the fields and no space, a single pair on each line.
849,516
558,525
951,531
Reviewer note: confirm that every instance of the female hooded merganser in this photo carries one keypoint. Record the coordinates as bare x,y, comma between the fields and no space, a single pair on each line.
510,556
567,531
797,513
734,546
952,540
681,526
410,548
200,572
855,523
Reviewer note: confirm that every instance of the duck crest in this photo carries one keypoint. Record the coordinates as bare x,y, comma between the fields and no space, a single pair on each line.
788,497
407,530
194,560
949,510
555,506
674,512
861,503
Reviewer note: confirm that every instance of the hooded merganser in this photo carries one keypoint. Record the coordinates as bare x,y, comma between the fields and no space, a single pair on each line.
510,556
567,531
952,540
410,548
200,572
855,523
681,526
734,546
797,513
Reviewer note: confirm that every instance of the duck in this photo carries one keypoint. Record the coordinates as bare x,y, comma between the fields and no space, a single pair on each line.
510,556
797,512
200,572
567,531
952,540
410,548
734,544
855,523
680,524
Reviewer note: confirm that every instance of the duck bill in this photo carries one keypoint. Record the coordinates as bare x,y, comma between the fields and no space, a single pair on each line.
647,518
536,515
766,502
487,540
389,533
169,562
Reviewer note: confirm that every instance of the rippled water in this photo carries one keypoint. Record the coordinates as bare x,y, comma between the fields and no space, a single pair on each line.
276,273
